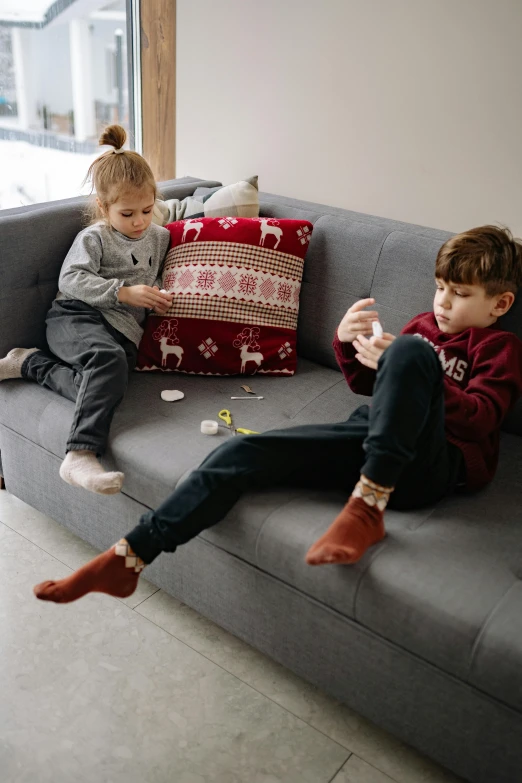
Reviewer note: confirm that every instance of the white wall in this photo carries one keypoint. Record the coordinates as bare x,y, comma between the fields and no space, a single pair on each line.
410,109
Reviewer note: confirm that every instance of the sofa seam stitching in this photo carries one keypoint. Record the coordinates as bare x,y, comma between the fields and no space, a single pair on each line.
335,383
483,628
378,259
265,520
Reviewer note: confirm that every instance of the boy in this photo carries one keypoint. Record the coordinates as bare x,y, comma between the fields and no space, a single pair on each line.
440,393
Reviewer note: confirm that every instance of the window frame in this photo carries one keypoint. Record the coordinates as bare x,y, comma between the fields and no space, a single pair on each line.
151,47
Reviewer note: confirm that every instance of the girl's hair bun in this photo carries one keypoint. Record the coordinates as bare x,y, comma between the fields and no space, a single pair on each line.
113,135
111,174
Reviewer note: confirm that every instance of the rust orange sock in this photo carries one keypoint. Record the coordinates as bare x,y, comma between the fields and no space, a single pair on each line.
357,527
115,572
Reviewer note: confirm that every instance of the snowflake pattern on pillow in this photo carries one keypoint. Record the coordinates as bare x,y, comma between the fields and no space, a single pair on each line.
236,285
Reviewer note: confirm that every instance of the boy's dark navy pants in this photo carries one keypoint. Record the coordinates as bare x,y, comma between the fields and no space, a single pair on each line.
399,441
90,366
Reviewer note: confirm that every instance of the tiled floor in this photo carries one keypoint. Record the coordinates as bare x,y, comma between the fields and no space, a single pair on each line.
147,691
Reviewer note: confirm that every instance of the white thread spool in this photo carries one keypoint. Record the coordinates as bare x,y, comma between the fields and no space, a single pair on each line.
377,329
209,427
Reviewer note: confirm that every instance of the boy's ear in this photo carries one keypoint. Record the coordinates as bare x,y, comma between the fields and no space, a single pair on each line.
503,303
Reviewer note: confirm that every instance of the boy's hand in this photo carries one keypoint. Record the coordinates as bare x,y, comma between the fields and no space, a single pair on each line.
357,321
145,296
370,351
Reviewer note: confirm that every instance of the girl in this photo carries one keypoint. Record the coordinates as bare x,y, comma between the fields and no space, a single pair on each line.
110,277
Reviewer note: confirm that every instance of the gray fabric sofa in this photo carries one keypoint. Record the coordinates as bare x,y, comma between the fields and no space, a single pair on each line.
424,635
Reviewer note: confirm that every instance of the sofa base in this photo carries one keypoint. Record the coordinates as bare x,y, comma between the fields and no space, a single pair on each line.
460,727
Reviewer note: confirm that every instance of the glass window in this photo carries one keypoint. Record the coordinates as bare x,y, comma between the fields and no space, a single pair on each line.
63,77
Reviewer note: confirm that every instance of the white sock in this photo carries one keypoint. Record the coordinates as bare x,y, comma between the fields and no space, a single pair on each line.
82,469
11,365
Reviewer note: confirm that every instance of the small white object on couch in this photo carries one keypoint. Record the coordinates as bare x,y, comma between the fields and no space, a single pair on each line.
171,395
209,427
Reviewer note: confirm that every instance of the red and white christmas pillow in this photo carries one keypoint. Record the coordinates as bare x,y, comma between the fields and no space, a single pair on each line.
236,284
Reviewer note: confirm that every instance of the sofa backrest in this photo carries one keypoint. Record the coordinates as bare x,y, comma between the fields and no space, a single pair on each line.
34,241
353,256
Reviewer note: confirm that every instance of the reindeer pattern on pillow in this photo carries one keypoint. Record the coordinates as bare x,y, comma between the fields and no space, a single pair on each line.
236,284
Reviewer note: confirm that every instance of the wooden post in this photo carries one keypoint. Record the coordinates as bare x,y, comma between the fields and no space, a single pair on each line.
158,85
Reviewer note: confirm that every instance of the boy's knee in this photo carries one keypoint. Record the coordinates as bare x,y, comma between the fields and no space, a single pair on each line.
409,349
238,446
235,451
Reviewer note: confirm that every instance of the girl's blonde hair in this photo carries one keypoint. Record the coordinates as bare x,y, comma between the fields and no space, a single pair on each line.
115,172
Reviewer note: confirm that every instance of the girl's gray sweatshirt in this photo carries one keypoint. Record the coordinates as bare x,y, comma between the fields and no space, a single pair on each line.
101,260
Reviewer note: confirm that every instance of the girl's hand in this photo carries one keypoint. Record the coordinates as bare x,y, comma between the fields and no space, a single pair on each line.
356,321
145,296
163,308
370,351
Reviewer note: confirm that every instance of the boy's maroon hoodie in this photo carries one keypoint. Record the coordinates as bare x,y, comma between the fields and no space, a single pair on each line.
482,381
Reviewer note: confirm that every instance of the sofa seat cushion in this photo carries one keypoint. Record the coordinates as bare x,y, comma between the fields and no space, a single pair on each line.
444,584
155,442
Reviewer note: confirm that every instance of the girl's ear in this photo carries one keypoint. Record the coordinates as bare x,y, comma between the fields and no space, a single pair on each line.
100,206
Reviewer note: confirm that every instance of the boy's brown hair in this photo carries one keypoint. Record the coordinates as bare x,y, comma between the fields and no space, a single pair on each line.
112,174
487,256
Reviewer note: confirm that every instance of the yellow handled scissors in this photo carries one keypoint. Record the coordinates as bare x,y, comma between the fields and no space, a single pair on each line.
226,416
